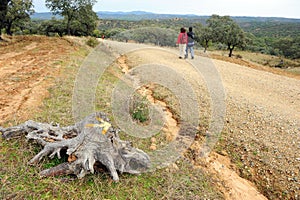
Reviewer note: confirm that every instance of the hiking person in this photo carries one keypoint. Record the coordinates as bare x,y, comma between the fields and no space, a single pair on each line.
191,43
182,42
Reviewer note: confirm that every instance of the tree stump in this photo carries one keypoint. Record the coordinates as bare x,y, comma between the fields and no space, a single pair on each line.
90,141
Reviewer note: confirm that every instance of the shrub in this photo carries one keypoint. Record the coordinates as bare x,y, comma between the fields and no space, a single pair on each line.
239,56
139,109
92,42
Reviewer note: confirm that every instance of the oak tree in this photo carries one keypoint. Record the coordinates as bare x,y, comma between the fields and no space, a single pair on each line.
203,35
17,11
71,9
3,12
225,30
85,22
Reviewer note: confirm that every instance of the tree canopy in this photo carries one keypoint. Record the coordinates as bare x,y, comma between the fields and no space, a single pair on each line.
85,21
203,35
3,12
289,47
14,13
73,11
154,35
225,30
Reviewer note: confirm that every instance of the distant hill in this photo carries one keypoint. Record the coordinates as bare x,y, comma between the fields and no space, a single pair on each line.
142,15
44,16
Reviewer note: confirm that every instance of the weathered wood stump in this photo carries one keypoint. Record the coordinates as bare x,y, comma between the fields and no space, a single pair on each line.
90,141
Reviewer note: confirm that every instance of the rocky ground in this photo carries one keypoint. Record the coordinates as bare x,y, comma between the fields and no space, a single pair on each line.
263,128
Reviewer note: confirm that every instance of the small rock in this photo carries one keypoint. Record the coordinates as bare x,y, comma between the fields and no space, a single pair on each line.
175,167
153,147
224,153
153,140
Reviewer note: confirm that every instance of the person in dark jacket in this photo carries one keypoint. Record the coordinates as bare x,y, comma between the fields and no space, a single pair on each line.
191,43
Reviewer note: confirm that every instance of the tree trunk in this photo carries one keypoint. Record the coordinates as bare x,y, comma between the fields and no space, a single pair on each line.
8,28
69,27
3,12
70,17
90,141
230,51
206,45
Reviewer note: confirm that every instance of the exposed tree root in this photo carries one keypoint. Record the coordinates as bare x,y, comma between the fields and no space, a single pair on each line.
88,141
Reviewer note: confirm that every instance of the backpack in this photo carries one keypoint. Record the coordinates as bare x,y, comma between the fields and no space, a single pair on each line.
191,37
183,38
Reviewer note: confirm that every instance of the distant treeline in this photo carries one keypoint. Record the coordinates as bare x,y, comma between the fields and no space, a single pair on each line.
275,36
269,37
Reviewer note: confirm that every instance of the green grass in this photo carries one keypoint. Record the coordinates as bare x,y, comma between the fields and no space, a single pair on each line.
18,180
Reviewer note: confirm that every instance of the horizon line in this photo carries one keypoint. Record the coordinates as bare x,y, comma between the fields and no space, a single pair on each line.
185,14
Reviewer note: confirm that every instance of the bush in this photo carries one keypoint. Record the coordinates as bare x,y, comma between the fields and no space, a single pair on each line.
92,42
154,35
139,109
97,33
239,56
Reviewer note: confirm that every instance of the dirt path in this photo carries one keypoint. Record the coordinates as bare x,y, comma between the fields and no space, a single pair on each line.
262,125
234,186
28,67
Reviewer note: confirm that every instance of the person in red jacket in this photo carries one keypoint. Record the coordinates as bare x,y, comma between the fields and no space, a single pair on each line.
182,41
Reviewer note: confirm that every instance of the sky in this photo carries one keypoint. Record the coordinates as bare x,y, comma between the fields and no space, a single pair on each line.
253,8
